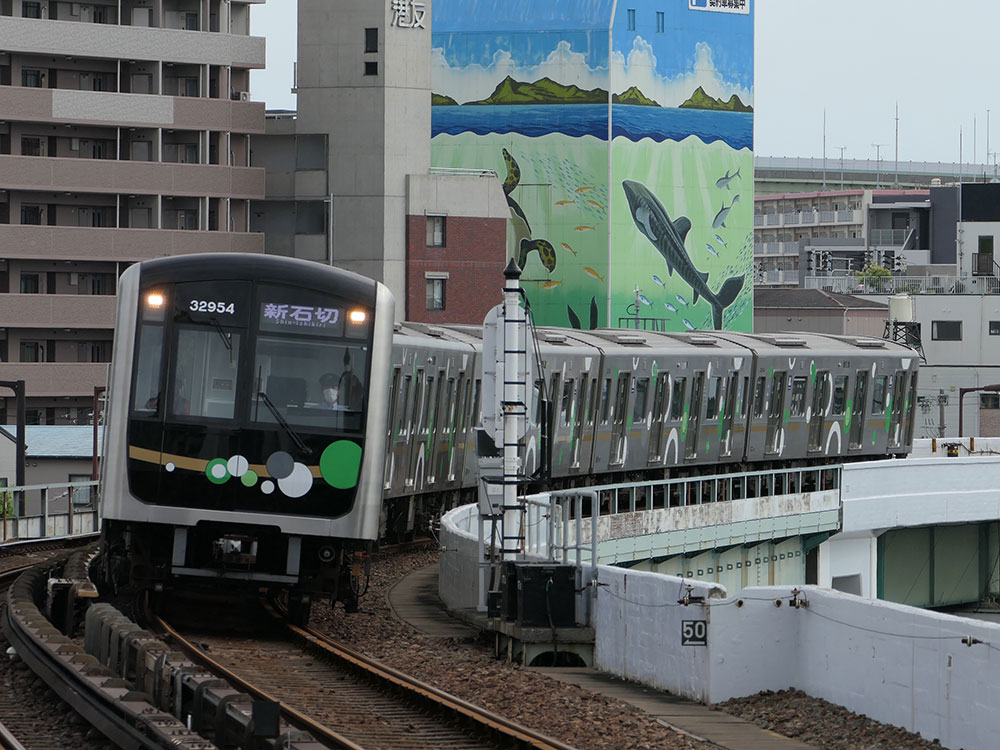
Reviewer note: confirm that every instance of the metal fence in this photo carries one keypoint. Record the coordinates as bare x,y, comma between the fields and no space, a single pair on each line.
40,511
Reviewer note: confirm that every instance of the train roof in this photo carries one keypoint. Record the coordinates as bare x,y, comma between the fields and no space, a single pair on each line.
791,341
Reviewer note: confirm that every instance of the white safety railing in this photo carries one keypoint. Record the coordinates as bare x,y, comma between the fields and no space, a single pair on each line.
40,511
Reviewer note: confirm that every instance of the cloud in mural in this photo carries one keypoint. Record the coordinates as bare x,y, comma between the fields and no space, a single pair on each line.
639,69
475,82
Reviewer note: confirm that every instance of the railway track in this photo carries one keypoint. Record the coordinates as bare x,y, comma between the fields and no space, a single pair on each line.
324,685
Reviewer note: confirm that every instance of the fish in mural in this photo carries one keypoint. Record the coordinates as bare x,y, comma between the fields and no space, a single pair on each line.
585,189
712,250
591,272
565,203
667,237
595,204
645,300
567,247
682,300
688,324
658,281
723,182
522,229
721,241
584,228
551,284
669,307
720,218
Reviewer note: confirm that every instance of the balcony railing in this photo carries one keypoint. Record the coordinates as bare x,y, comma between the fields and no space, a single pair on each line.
887,237
852,284
797,218
983,264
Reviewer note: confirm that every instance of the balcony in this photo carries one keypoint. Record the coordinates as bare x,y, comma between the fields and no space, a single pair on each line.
76,311
107,175
905,284
48,379
86,243
808,218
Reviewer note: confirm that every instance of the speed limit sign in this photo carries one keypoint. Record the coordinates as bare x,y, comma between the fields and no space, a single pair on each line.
694,633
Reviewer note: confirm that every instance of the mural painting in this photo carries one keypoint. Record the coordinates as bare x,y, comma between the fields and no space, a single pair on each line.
626,156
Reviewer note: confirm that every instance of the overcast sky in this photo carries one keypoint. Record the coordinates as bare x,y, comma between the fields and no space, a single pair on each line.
855,58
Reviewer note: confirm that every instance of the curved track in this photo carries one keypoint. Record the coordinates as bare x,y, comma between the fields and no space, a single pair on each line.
364,703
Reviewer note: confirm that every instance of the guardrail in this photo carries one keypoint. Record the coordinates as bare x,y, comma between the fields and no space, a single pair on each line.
39,511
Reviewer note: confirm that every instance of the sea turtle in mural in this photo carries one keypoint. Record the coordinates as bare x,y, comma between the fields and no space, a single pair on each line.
522,229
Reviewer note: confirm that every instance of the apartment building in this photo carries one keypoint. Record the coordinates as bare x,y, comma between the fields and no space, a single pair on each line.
124,135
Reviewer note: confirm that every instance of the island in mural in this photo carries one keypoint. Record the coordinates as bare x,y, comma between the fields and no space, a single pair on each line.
627,167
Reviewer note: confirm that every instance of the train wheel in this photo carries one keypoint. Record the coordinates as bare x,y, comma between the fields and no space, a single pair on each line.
299,606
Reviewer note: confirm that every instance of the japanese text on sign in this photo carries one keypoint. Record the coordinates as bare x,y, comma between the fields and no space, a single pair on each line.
300,316
721,6
408,14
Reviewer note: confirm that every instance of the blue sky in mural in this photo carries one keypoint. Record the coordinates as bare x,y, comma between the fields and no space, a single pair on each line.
520,15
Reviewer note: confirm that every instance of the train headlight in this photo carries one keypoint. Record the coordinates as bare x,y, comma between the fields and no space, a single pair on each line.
357,316
155,299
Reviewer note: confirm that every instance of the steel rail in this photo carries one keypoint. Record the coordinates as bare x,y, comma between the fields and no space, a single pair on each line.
509,732
292,715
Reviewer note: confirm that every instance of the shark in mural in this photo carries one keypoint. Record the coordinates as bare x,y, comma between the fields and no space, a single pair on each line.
668,238
522,229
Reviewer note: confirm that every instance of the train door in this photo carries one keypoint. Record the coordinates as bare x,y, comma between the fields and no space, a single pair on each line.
728,410
821,393
580,418
401,436
856,433
390,444
433,425
417,417
618,434
694,416
898,388
775,413
660,395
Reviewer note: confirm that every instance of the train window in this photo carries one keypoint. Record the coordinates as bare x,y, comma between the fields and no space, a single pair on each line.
659,414
204,373
797,407
554,393
758,397
450,406
911,409
858,409
728,405
539,405
776,408
417,407
592,404
898,403
839,395
712,398
741,399
427,413
879,389
475,402
393,393
567,401
677,399
639,405
605,400
146,395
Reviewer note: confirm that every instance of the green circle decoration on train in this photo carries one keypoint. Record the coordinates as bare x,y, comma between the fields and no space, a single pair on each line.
340,464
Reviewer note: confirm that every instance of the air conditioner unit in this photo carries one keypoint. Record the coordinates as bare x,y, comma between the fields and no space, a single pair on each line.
244,96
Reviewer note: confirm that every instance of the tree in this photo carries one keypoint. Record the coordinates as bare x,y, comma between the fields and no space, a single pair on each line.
873,278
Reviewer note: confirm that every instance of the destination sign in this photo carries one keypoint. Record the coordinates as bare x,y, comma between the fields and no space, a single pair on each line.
286,316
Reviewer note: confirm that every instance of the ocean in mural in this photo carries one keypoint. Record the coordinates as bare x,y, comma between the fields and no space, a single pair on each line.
629,176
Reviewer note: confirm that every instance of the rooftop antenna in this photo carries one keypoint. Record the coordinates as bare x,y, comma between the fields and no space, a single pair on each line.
842,150
878,163
824,149
896,182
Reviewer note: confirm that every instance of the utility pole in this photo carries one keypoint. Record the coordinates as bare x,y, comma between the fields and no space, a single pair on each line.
878,163
842,150
896,182
824,149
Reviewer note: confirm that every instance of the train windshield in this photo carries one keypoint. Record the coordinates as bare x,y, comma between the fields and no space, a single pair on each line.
312,361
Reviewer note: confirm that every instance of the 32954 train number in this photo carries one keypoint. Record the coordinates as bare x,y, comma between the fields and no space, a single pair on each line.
211,306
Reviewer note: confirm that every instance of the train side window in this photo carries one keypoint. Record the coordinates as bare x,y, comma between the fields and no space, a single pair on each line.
639,406
712,396
758,397
776,407
417,410
879,388
592,406
567,400
839,395
797,407
539,389
583,402
741,399
605,400
554,393
858,409
911,410
450,395
694,414
475,403
145,396
821,391
403,428
677,399
393,393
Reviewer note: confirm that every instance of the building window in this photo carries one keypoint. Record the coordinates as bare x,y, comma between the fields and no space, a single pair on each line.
371,68
371,40
946,330
31,10
631,19
989,400
995,328
81,495
32,416
31,146
435,231
659,22
31,78
31,351
435,294
29,283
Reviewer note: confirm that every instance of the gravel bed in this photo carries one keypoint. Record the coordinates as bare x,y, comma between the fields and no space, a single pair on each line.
566,712
794,714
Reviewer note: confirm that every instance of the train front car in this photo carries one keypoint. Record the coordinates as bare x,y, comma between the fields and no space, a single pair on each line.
246,427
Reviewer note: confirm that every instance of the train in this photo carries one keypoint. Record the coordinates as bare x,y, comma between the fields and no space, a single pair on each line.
269,423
